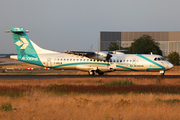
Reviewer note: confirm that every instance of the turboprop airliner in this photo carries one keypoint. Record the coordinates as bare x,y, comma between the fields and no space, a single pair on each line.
92,62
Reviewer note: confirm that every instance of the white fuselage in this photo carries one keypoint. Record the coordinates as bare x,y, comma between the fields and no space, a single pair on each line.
94,62
134,62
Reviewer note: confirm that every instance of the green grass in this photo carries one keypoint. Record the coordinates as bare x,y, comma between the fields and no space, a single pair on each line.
126,82
4,71
172,101
7,107
169,101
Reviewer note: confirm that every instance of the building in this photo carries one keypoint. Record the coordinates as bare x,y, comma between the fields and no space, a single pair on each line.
169,41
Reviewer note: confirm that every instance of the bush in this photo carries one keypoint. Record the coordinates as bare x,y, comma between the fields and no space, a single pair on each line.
173,58
4,71
126,82
6,106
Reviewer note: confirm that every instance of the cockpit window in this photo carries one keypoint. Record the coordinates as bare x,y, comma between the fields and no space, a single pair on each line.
159,59
163,58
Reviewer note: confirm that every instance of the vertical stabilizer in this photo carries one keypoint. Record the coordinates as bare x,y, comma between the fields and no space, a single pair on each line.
24,47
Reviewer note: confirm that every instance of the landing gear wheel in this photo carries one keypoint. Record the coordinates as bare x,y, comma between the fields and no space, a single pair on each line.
162,72
101,73
91,72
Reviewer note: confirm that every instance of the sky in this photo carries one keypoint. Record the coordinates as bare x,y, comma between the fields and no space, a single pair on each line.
76,24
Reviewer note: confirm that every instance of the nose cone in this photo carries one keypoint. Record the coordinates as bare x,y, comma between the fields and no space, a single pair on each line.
170,65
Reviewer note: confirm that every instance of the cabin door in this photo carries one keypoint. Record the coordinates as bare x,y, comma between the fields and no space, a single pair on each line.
49,62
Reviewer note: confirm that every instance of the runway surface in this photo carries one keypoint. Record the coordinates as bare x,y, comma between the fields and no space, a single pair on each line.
27,77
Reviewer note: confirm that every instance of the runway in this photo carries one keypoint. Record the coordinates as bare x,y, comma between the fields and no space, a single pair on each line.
28,77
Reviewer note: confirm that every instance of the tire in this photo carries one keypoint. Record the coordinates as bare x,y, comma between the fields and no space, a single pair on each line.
162,73
91,72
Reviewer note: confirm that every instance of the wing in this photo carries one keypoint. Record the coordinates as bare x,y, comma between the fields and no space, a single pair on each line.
91,55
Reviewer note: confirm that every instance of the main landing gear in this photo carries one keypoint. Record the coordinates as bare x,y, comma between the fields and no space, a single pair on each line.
92,72
100,73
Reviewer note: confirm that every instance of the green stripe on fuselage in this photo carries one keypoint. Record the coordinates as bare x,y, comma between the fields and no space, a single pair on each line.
145,58
125,68
80,63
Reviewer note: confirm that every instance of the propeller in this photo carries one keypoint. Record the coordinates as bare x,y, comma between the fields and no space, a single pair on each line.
108,58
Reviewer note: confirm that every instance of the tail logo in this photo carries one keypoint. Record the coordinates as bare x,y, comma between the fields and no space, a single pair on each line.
23,43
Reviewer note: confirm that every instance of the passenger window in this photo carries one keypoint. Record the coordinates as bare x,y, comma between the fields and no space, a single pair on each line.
155,59
70,59
64,59
77,59
117,60
73,59
87,59
159,59
120,60
110,60
67,59
130,60
114,60
80,59
84,59
127,60
123,60
58,59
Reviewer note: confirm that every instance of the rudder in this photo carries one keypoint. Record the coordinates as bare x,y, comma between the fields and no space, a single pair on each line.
24,47
22,42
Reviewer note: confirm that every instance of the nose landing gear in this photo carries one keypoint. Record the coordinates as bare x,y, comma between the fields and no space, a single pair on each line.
162,72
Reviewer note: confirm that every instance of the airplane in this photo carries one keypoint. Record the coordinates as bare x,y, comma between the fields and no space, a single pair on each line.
92,62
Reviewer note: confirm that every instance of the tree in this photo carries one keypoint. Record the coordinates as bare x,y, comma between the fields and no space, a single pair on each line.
145,45
173,57
113,46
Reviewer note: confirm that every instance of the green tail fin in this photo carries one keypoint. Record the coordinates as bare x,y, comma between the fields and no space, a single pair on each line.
22,42
24,47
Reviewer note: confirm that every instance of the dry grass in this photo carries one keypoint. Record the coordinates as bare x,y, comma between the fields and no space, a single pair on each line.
38,105
89,81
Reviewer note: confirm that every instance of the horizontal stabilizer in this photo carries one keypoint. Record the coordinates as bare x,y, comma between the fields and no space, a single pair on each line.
17,30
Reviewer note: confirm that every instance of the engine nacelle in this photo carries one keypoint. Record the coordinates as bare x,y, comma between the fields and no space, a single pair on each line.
102,56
